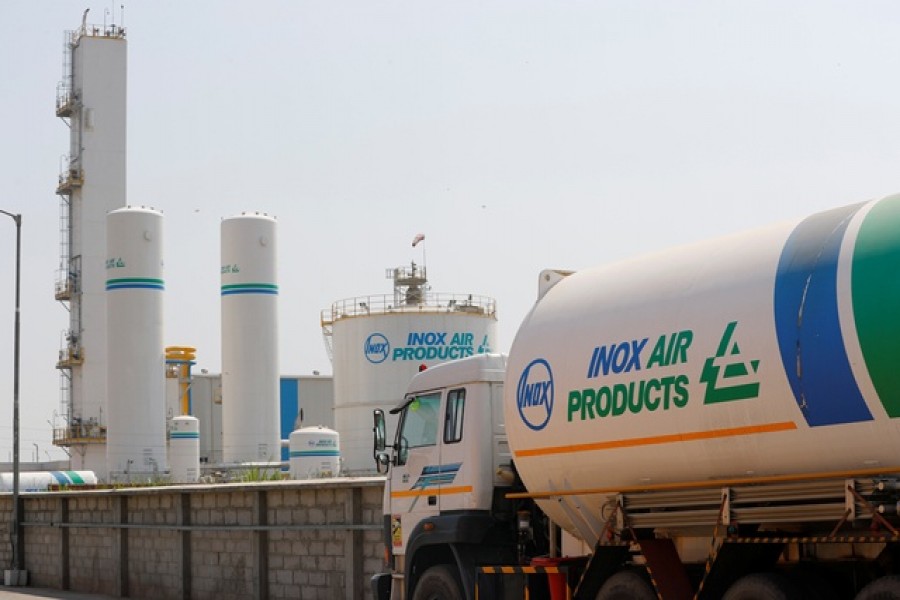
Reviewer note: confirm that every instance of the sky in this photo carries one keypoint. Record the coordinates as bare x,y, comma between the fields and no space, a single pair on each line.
516,135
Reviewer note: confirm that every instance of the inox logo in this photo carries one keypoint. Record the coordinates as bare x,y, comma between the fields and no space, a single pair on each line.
534,395
376,348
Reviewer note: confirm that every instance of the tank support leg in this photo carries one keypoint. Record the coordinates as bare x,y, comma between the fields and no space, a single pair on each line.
666,569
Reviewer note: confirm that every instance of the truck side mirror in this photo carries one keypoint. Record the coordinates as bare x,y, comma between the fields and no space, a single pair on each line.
382,462
381,459
379,430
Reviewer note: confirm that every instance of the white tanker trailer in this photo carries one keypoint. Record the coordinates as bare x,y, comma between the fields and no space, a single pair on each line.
718,420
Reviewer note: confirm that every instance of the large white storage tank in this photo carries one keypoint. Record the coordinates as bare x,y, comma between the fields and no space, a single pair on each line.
379,342
136,415
250,414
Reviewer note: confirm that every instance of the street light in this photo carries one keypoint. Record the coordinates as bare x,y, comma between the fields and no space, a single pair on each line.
15,534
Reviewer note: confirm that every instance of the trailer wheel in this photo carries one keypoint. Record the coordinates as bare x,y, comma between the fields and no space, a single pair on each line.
763,586
438,583
883,588
627,585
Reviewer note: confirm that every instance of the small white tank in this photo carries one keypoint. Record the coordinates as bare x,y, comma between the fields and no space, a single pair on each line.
315,452
184,449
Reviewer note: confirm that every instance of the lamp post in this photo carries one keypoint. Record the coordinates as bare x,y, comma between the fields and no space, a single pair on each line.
16,520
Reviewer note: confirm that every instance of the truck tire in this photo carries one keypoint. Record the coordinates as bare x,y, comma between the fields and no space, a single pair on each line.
763,586
438,583
627,585
883,588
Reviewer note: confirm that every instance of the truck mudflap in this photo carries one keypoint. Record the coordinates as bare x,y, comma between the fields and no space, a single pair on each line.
381,586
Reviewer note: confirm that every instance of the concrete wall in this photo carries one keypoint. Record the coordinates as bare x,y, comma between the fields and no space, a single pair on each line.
286,539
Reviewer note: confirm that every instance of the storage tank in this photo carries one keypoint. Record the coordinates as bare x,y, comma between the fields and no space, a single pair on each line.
379,342
250,419
40,481
136,415
184,449
315,452
759,354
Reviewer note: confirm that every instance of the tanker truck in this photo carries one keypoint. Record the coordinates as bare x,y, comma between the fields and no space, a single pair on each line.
719,420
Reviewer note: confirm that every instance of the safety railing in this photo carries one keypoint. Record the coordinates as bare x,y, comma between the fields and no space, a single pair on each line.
432,302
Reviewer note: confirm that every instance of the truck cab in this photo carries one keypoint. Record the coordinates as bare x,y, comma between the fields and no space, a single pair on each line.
447,470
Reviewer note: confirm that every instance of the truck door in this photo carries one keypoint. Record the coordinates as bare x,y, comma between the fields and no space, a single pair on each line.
457,465
414,480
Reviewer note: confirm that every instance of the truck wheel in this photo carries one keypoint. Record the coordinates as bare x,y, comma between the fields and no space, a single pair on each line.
883,588
627,585
438,583
763,586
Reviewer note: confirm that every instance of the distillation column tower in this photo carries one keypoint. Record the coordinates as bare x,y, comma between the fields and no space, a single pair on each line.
91,102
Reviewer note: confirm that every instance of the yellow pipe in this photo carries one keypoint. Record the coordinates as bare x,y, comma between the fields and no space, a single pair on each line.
184,355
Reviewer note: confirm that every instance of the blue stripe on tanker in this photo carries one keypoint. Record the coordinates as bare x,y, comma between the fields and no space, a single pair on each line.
61,477
807,322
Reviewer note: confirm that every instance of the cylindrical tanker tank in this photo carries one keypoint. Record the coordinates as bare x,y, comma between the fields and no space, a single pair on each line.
40,481
136,415
184,449
762,354
250,417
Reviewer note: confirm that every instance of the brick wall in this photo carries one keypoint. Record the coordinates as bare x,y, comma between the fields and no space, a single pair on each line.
286,539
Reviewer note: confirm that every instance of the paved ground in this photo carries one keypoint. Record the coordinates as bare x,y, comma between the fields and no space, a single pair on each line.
24,593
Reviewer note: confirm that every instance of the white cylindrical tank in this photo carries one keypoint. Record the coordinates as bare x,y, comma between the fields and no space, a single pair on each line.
770,353
315,452
377,351
184,449
40,481
136,415
250,413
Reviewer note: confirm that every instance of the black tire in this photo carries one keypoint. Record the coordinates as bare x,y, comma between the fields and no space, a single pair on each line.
627,585
883,588
438,583
763,586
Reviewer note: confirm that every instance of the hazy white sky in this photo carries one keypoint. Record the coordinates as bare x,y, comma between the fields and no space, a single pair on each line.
515,135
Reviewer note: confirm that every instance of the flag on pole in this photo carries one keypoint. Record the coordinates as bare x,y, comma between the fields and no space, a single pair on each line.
419,237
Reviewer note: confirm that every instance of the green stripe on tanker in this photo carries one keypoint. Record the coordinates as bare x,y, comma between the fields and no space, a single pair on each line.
876,298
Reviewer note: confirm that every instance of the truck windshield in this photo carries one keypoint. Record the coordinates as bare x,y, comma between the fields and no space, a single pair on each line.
420,422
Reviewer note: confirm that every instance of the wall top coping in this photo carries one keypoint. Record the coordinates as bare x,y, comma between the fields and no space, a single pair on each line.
255,486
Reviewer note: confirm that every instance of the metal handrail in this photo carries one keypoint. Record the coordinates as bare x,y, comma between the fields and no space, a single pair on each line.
109,30
79,432
383,304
